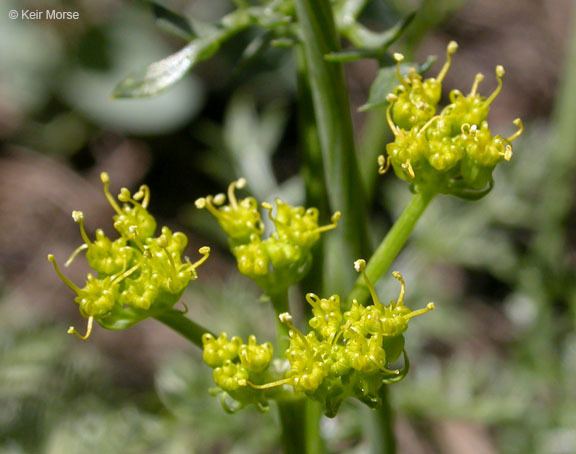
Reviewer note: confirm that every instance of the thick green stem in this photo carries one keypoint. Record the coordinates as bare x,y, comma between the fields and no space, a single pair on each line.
312,171
332,112
381,428
293,420
184,326
372,144
391,245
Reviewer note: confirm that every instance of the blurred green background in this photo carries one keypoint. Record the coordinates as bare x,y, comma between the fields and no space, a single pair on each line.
494,366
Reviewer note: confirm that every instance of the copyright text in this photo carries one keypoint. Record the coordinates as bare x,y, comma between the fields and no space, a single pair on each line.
47,14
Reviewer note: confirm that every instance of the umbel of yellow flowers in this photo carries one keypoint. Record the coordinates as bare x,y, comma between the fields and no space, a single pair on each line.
279,261
137,275
345,354
453,151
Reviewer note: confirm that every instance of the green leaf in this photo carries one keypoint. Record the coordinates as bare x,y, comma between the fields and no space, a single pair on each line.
175,23
386,80
382,86
362,37
162,74
166,72
372,45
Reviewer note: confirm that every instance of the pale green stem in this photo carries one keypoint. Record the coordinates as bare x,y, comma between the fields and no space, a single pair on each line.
184,326
391,246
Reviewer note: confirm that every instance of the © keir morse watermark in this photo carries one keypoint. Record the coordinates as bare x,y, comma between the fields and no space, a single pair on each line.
43,14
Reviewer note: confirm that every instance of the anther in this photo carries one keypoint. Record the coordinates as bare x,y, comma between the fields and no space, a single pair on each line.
360,265
219,199
78,216
200,203
507,153
125,195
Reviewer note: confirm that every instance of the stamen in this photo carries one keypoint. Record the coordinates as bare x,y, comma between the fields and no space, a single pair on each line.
219,199
78,217
428,123
210,207
429,307
335,217
450,49
144,194
286,318
75,254
124,274
517,122
72,330
106,180
399,59
312,299
398,276
360,267
269,207
205,251
469,130
407,167
507,153
67,281
384,163
479,78
382,368
125,196
231,195
391,99
499,76
285,381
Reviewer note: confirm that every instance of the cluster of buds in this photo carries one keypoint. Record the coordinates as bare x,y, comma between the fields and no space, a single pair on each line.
453,152
347,354
235,365
282,259
136,275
